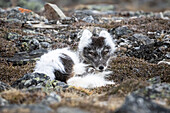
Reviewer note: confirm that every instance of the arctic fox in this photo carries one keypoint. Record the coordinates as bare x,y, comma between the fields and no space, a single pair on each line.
85,68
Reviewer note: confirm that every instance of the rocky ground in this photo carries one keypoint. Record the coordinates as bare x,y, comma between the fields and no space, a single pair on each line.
141,65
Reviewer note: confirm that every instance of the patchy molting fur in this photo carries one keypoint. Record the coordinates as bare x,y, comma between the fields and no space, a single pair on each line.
68,66
52,61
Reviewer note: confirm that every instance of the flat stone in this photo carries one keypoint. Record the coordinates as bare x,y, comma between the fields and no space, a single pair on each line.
37,52
53,12
70,110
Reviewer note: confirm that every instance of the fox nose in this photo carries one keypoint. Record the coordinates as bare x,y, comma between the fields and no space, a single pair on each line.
101,68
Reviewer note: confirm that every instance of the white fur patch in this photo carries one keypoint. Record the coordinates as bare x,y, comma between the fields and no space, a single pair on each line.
79,68
108,40
85,39
89,81
50,62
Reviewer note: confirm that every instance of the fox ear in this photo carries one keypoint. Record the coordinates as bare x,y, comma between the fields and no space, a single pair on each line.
85,39
108,40
86,35
104,34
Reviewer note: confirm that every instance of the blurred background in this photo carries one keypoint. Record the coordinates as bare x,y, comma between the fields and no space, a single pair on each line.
37,5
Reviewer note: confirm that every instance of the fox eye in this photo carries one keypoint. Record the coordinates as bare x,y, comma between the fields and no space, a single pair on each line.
106,51
91,53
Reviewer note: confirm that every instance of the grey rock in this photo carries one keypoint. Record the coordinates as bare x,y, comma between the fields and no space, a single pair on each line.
101,7
44,39
51,99
12,36
35,81
168,55
38,52
2,11
4,86
166,13
35,22
3,102
138,104
156,90
71,110
45,44
34,108
88,19
97,30
14,23
19,60
31,79
144,39
34,44
120,31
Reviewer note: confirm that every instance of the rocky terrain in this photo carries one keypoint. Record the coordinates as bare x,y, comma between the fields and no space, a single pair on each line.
141,64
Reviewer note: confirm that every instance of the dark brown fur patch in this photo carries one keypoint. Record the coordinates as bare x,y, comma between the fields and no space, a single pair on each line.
98,41
68,65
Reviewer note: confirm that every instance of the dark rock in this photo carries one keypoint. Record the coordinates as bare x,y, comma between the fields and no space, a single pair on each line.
68,20
3,102
70,110
150,53
51,99
138,104
34,108
4,86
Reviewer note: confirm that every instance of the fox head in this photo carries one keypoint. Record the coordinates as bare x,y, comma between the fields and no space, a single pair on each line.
96,51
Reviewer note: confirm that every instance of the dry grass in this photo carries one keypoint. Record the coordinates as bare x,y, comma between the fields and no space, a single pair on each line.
18,97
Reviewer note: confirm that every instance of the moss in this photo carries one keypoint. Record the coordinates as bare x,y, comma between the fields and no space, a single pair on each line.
7,48
129,67
9,73
127,86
